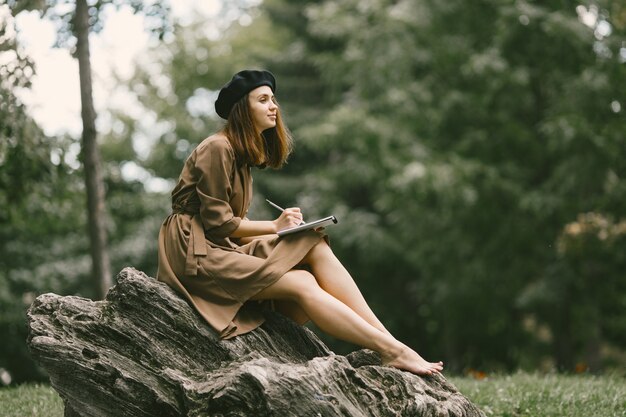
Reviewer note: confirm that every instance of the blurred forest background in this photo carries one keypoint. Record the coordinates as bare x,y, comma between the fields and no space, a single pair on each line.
474,152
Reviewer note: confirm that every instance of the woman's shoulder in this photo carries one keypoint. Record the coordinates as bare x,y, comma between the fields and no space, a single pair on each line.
217,142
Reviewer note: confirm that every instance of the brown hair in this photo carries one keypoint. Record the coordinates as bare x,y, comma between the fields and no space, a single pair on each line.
271,148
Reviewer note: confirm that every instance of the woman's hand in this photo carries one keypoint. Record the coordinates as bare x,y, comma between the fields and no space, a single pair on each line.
289,218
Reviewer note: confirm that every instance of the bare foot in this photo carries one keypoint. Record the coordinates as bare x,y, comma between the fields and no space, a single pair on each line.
406,359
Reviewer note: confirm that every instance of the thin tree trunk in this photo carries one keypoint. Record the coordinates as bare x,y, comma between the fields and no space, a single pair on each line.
91,158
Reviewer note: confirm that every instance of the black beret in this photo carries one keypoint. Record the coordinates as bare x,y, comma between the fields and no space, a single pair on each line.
242,83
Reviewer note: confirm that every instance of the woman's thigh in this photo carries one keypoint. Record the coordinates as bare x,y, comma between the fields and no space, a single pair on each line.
290,286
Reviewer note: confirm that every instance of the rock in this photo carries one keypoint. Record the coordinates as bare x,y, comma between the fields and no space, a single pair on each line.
144,351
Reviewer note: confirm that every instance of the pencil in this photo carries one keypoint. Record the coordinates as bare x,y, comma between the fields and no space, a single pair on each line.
275,205
281,209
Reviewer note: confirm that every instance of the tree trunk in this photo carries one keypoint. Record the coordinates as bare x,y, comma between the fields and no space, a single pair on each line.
145,351
91,158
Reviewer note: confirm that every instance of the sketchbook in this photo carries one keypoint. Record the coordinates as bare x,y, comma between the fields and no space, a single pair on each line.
326,221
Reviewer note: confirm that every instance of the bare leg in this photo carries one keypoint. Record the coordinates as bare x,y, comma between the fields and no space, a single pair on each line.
337,281
340,321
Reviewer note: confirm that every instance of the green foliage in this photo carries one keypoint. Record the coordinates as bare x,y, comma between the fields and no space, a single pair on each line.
43,239
45,248
37,215
18,134
44,245
458,139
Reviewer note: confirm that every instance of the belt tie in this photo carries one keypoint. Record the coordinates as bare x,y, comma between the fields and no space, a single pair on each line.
196,246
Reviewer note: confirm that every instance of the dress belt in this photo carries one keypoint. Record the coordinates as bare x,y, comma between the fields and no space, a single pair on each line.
196,246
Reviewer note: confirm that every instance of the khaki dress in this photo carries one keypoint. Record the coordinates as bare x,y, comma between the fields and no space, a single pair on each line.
197,257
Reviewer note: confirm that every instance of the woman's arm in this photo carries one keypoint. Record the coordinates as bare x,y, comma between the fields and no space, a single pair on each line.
291,217
245,240
254,228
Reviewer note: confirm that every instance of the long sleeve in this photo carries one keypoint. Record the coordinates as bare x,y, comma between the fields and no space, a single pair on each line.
214,165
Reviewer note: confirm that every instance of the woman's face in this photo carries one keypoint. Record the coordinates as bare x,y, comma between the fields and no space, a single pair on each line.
263,108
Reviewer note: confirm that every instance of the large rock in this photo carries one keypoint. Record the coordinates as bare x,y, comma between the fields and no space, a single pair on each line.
144,351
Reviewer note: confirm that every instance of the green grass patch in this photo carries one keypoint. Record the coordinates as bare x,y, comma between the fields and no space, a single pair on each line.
517,395
30,400
536,395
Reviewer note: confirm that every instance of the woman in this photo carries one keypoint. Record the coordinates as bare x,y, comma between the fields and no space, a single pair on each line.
229,266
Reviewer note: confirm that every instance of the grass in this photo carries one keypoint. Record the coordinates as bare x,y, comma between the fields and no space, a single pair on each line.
30,400
517,395
536,395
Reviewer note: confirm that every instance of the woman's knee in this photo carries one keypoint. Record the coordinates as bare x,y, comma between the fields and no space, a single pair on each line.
301,283
320,251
